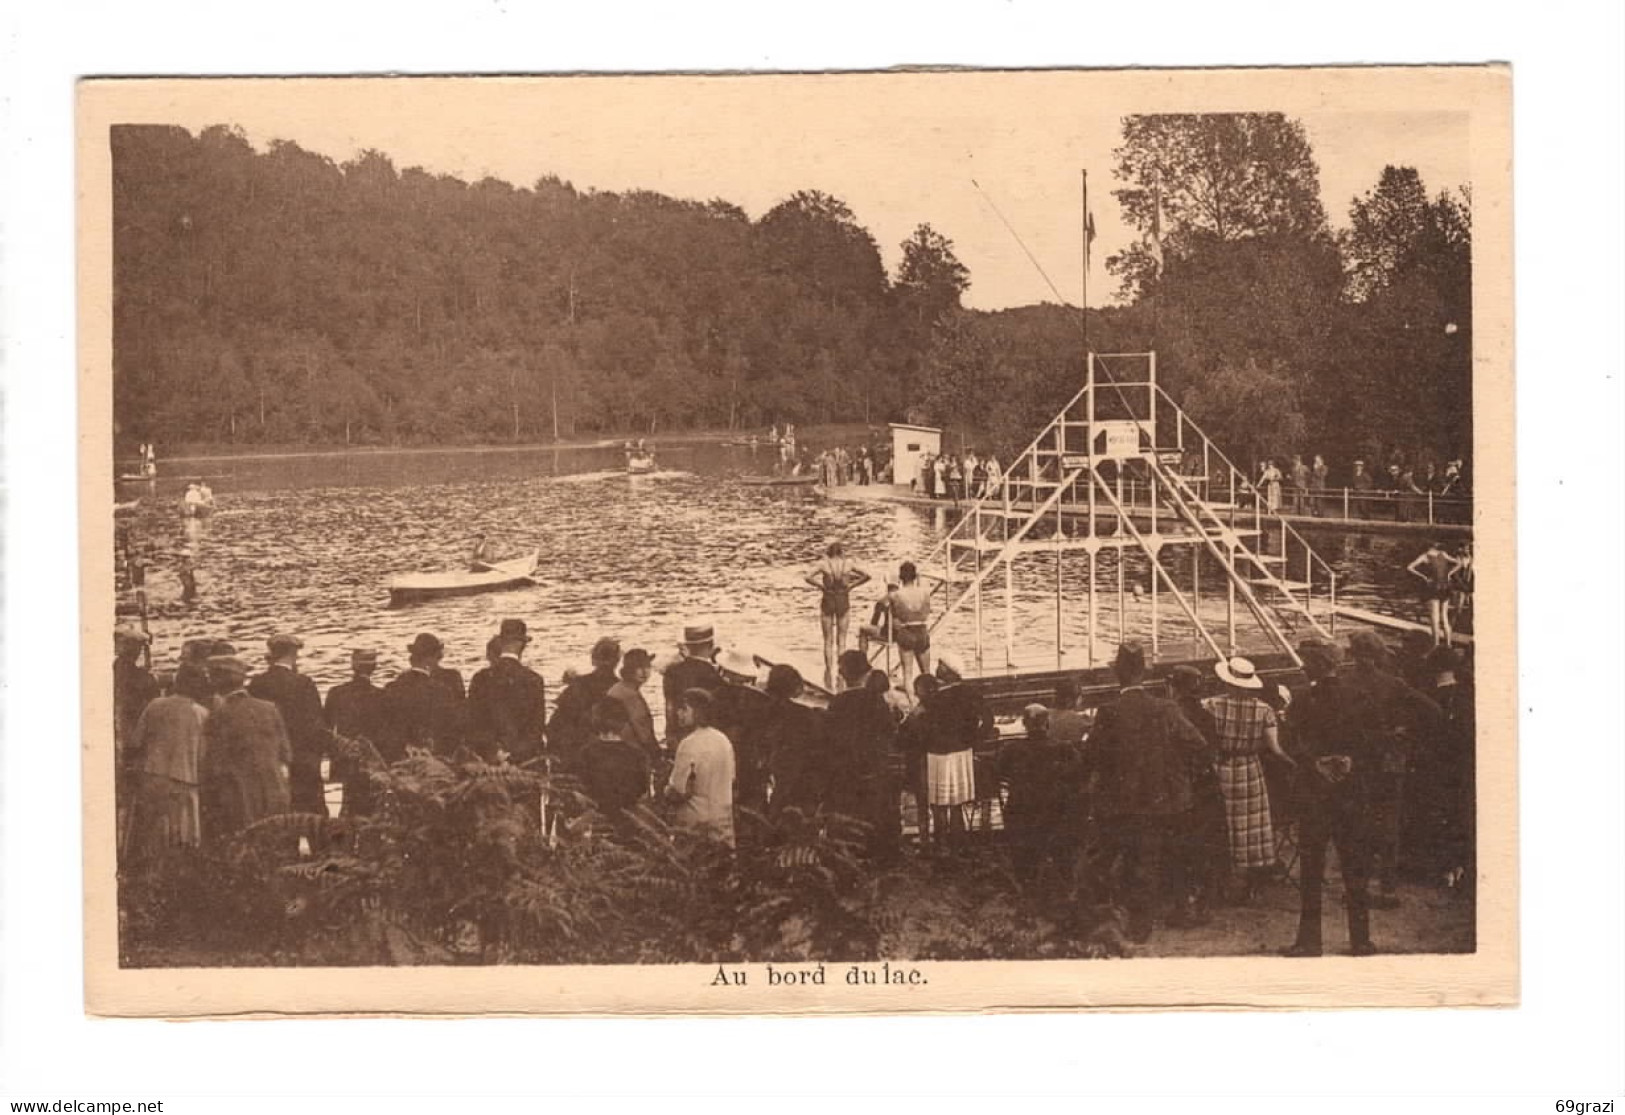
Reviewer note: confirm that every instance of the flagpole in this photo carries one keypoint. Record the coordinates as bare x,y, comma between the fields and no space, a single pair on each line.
1085,307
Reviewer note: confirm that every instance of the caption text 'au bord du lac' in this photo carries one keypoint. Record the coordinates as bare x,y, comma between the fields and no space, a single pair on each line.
852,975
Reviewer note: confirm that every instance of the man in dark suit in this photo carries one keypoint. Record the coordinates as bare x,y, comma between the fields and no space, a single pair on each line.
1142,748
133,685
696,669
355,710
571,725
1342,747
421,711
243,772
862,735
1403,719
742,712
507,705
296,698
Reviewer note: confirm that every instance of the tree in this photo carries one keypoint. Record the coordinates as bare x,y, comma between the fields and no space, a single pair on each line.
815,239
280,295
1404,374
930,278
1220,177
1388,226
1251,411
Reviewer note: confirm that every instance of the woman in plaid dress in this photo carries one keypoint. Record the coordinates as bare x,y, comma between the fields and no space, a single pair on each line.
1247,728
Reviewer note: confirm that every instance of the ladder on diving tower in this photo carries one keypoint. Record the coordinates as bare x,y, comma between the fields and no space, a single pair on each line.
1123,470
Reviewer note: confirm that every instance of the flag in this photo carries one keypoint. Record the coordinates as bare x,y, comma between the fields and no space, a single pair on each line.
1088,236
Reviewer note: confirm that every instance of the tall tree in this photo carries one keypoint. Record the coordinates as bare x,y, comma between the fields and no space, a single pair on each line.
1220,178
1403,377
930,278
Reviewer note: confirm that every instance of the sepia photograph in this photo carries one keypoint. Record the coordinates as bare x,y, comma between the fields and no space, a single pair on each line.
915,540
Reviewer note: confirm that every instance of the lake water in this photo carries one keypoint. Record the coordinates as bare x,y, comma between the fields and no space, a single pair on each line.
308,544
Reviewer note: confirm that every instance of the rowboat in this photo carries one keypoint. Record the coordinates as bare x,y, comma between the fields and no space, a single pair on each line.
483,577
638,464
778,481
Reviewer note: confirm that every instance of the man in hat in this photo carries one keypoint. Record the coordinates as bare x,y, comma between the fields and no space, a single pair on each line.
1360,481
192,675
572,715
243,772
1201,853
1041,776
637,666
1340,755
296,698
421,712
861,736
507,703
1067,723
1447,827
696,669
1142,749
355,711
1400,718
133,686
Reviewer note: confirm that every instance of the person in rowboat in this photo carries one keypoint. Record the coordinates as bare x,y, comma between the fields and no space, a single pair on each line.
485,552
835,578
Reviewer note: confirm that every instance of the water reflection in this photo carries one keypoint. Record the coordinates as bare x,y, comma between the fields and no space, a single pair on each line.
307,544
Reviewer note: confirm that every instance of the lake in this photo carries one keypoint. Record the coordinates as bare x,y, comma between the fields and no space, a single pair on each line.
307,544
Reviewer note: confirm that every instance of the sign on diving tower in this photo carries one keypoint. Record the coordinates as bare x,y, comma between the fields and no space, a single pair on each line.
1123,520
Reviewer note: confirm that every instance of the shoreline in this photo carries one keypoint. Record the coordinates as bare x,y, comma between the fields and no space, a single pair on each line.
832,430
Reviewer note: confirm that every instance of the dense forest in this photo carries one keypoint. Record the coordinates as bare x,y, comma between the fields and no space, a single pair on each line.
278,297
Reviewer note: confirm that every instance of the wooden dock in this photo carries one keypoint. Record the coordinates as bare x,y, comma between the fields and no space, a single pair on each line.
1394,623
901,493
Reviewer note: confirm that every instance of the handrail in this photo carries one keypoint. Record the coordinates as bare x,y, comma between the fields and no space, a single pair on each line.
1182,505
1247,483
1247,594
1004,476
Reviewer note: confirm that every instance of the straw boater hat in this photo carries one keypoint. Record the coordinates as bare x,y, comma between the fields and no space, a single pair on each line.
1240,673
699,641
949,667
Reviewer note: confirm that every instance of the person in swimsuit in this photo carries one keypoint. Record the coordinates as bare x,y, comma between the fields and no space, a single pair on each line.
1436,567
1461,585
910,608
835,578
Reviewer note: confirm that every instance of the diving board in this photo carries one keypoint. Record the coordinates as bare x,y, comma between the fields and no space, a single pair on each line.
1394,623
